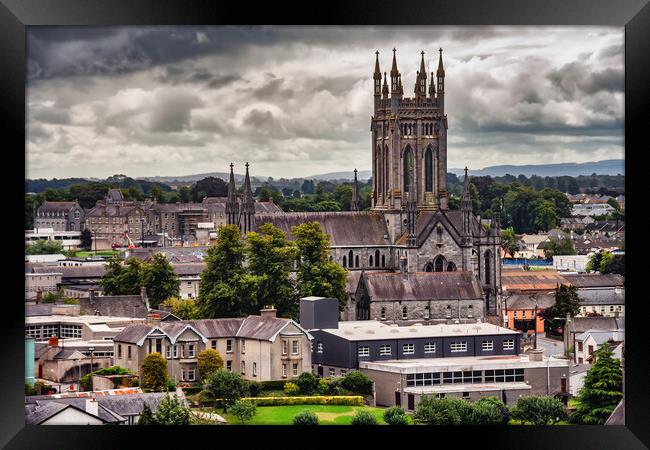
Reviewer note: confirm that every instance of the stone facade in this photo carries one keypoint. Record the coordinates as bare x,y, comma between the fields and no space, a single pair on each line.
60,216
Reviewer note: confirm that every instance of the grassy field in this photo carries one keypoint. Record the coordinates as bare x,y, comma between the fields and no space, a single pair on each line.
83,254
327,414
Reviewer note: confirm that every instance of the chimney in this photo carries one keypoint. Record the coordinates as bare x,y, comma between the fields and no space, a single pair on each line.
403,266
92,407
268,312
319,313
91,296
53,341
536,354
38,296
143,296
153,319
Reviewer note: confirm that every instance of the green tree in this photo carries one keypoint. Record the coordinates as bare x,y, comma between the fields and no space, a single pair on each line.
593,265
491,411
184,194
363,418
153,373
209,361
509,241
291,389
602,389
44,247
111,281
209,187
436,411
130,280
556,247
147,417
184,309
395,415
226,387
545,216
358,382
566,302
270,260
172,411
159,278
307,382
218,289
244,410
32,203
305,417
614,204
611,263
317,275
545,410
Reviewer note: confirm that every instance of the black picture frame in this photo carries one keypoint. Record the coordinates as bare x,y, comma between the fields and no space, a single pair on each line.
16,15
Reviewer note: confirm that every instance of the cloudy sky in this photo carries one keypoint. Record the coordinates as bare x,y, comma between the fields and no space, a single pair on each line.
297,101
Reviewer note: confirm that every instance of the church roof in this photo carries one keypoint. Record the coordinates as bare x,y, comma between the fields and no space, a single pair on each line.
344,228
422,286
57,206
424,224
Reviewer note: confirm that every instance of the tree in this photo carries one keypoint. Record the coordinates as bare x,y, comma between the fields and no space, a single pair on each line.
112,278
566,302
395,415
86,239
614,204
491,411
307,187
44,247
358,382
317,275
593,265
146,416
184,194
305,417
545,216
209,361
130,280
307,382
184,309
172,411
611,263
557,248
226,387
291,389
243,409
546,410
509,242
436,411
218,293
209,187
154,372
270,260
363,418
161,281
602,389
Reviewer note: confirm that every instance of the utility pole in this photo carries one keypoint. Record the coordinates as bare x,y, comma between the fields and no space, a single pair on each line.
534,297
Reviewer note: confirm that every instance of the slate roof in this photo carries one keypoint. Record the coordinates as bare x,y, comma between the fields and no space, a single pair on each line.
602,336
582,324
112,210
618,415
267,207
87,271
48,409
422,286
115,195
42,309
347,228
115,305
524,301
528,280
57,206
217,328
188,269
352,281
596,280
255,327
424,223
601,297
132,333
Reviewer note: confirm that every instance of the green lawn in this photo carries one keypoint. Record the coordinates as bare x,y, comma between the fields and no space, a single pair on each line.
83,254
327,414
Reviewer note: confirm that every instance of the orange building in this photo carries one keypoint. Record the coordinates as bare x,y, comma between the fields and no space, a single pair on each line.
520,310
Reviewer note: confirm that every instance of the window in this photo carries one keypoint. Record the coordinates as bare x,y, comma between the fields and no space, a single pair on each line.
466,395
428,170
515,314
430,347
214,345
422,379
243,367
319,347
175,351
229,365
382,313
284,347
591,349
229,346
458,346
190,351
70,331
370,261
158,345
611,308
384,350
182,348
509,344
119,350
364,350
404,313
487,346
128,352
294,347
191,374
254,369
168,352
332,372
580,348
345,259
408,349
343,372
284,370
243,346
295,369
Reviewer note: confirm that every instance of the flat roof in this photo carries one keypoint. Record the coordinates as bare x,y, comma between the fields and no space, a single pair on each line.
476,387
461,363
366,330
87,319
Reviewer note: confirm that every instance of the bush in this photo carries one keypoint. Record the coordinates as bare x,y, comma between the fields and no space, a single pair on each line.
491,411
227,387
325,386
170,385
305,417
396,416
154,373
544,410
209,361
356,400
291,389
243,409
357,382
29,389
274,385
437,411
363,418
192,390
254,388
307,382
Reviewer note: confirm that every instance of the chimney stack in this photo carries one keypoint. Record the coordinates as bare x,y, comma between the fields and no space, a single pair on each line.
38,296
92,406
153,319
268,312
53,341
91,296
403,266
144,297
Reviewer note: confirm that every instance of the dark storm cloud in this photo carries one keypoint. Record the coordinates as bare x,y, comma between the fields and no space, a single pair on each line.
52,115
575,78
175,75
172,112
614,50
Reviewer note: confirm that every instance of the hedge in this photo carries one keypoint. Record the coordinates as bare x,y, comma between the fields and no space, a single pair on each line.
350,400
192,390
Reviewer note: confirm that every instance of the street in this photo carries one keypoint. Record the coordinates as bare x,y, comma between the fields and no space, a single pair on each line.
550,346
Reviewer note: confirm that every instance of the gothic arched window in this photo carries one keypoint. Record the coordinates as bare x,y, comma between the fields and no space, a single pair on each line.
439,264
428,267
376,258
356,261
428,170
351,258
451,267
345,259
408,168
386,164
488,258
370,261
383,260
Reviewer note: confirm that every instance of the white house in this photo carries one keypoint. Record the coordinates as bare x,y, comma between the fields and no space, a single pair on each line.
589,341
573,263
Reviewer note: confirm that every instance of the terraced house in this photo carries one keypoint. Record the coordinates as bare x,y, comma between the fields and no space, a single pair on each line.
260,348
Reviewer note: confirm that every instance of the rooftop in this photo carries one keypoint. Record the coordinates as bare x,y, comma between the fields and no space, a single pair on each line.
366,330
87,319
475,387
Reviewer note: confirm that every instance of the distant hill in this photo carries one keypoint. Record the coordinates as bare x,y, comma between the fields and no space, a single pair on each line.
605,167
193,178
347,175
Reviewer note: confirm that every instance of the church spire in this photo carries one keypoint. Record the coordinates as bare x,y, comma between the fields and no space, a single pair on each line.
466,207
441,69
432,87
393,70
232,207
384,89
355,203
440,74
421,80
395,81
377,75
248,205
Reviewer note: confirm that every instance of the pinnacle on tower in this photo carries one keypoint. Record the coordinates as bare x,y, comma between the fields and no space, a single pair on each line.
232,207
441,69
231,186
355,204
377,71
384,89
377,76
393,70
432,86
248,193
